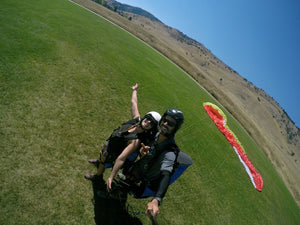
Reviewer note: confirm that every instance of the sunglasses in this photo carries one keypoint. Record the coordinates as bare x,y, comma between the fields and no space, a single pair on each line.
169,122
152,121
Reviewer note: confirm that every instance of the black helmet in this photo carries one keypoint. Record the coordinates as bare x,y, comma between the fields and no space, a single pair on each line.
176,115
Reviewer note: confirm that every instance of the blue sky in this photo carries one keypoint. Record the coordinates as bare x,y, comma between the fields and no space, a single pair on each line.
260,39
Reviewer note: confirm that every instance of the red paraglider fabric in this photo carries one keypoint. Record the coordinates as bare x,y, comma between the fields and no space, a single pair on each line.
219,118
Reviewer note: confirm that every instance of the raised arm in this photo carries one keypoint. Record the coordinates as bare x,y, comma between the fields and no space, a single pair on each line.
152,206
165,177
134,108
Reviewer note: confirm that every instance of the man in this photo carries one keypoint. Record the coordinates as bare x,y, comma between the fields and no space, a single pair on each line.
153,172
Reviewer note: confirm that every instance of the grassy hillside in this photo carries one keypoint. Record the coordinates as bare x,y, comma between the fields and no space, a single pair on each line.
260,115
65,76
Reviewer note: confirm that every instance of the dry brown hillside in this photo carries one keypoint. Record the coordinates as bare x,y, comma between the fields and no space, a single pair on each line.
257,112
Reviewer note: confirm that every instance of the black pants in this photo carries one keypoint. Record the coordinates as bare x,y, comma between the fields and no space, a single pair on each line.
110,211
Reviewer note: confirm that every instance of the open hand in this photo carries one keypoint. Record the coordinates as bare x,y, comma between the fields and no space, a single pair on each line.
108,183
135,87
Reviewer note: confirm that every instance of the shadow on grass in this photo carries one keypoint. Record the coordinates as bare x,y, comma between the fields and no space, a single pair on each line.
111,211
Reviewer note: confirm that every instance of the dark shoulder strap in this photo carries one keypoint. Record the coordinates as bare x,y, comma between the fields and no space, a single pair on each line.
176,150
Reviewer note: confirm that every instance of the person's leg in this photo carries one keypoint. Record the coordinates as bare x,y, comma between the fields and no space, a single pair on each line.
101,168
95,162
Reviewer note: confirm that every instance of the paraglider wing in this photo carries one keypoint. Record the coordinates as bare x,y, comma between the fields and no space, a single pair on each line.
219,118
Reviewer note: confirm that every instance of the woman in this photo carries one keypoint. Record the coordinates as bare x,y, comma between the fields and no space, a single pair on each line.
125,141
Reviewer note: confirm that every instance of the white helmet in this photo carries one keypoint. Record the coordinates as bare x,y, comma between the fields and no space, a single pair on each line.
155,117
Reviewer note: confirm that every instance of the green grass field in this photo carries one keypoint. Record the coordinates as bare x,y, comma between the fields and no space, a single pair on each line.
65,75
